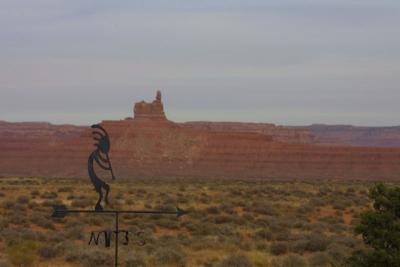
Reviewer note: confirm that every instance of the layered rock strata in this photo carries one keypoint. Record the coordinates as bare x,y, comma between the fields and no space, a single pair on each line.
149,145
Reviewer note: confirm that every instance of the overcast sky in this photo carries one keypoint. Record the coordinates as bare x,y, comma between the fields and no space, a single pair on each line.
291,62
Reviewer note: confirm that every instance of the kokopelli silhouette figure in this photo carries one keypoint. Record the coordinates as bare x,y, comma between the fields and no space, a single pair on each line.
100,155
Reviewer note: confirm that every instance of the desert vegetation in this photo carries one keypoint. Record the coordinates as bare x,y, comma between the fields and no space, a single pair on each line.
230,223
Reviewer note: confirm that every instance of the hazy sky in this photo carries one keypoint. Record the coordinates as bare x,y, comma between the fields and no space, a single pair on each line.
290,62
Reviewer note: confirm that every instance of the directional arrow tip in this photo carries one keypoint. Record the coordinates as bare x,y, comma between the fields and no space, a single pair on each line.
180,212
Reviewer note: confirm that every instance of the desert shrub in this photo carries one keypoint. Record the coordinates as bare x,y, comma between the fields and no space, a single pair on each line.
350,190
23,200
49,195
32,205
48,203
65,189
264,234
75,232
320,259
167,223
22,253
54,238
35,193
332,219
42,221
63,247
73,254
191,226
119,196
74,223
346,241
28,234
317,202
222,219
47,252
227,208
261,246
213,210
337,252
81,203
363,192
291,260
96,220
95,258
279,248
235,261
8,205
9,234
305,209
129,201
317,242
169,256
18,219
249,217
135,260
183,200
282,235
204,200
265,209
298,246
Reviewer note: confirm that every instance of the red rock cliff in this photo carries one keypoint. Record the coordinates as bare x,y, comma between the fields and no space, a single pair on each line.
151,146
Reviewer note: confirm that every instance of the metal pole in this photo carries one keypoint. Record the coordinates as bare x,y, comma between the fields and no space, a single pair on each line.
116,238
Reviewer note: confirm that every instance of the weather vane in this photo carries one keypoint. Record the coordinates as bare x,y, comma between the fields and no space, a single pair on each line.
101,157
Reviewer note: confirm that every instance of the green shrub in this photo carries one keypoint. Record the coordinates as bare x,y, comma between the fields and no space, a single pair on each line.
380,229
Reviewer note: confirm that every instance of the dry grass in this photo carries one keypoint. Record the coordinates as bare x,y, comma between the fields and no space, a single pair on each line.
267,223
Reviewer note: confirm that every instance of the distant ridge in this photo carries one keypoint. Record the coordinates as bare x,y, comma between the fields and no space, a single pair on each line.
355,135
150,145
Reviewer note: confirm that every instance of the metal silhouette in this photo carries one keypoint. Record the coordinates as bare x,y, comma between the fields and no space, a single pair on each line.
100,156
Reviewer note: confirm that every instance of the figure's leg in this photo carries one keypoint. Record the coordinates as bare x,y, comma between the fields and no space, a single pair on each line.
107,188
98,204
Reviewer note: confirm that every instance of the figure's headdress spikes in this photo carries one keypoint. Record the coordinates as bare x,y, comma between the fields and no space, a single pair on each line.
98,126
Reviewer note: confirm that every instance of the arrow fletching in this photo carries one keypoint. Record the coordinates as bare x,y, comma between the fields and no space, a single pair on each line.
59,211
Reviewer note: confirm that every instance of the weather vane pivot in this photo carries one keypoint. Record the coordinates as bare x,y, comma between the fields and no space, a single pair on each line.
100,156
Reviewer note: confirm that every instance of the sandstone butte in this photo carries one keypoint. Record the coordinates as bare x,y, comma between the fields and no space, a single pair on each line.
149,145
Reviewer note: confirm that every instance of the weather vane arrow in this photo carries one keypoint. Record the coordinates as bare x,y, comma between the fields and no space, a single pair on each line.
60,211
